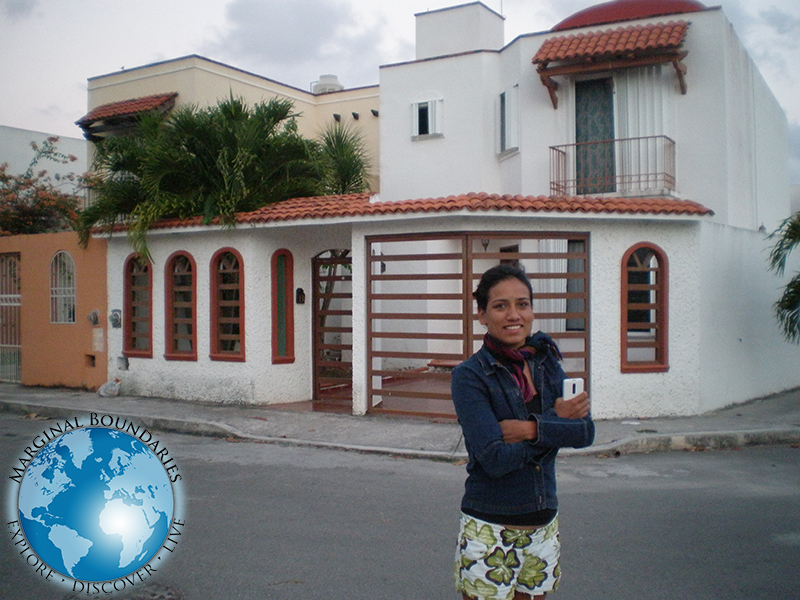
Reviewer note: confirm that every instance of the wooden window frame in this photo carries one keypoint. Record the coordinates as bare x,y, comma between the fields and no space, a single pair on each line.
661,307
216,319
287,296
170,337
129,339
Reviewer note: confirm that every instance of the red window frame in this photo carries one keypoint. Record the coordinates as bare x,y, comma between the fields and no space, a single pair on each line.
176,287
282,302
227,312
657,319
138,298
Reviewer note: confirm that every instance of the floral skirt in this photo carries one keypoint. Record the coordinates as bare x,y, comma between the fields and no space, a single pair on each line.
494,561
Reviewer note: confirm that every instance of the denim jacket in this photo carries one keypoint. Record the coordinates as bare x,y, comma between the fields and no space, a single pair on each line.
511,479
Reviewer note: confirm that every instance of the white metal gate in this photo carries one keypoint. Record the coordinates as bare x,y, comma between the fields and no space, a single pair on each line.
10,301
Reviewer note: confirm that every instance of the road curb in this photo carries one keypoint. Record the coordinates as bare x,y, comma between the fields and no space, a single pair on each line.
647,443
707,440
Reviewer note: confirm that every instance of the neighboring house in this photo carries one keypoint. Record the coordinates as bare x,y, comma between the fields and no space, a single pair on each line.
53,315
117,100
636,158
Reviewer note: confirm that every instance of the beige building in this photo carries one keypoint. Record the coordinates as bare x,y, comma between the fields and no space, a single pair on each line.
115,100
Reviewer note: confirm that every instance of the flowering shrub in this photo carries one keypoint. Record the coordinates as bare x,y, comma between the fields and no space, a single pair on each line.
32,202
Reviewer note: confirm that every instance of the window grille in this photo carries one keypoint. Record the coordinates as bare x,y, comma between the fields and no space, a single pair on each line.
227,302
62,288
181,322
138,290
644,309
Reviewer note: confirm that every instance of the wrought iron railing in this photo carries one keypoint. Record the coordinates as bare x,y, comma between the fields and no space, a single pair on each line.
631,166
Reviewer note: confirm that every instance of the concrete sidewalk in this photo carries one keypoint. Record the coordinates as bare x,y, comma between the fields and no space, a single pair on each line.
771,420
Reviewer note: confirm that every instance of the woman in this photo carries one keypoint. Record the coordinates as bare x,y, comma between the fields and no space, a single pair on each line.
508,401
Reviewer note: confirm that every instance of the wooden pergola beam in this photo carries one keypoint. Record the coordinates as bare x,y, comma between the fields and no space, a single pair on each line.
590,66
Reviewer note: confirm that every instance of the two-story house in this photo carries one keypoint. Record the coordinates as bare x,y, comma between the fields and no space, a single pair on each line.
630,159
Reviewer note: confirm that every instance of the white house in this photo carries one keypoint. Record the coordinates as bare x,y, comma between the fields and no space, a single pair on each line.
630,159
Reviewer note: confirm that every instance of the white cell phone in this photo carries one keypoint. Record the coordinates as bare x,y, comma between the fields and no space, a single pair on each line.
572,388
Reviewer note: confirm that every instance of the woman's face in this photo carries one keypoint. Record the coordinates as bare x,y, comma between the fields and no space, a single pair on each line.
509,315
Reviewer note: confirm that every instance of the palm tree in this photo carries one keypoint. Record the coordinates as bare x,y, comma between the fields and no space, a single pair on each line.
787,308
211,162
345,162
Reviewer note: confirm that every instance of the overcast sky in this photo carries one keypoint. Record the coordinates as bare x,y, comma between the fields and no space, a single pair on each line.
49,48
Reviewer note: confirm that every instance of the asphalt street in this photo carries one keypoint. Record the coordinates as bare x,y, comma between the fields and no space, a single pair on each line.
268,521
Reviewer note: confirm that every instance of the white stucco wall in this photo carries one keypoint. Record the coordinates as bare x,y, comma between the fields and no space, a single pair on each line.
743,353
724,345
471,26
256,380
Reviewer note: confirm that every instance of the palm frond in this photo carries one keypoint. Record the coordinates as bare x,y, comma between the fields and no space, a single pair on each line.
788,237
345,159
787,309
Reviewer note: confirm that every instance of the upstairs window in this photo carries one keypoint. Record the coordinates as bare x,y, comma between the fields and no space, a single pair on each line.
644,309
282,307
138,308
180,287
508,115
427,119
62,288
227,306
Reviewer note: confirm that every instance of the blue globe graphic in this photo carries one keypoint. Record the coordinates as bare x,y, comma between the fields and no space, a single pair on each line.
95,504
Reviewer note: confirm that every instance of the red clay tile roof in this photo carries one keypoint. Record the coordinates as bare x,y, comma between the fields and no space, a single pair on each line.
613,42
123,108
359,205
627,10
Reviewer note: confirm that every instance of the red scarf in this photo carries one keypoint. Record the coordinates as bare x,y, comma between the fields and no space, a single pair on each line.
515,361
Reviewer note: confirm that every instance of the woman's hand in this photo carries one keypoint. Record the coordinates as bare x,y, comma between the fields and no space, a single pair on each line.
518,431
576,408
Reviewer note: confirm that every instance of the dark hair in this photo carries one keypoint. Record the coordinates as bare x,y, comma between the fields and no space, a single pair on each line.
494,276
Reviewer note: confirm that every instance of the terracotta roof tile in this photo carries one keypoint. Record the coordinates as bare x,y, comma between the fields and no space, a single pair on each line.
613,42
360,205
123,108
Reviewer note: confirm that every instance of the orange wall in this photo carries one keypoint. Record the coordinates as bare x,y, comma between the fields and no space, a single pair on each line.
60,354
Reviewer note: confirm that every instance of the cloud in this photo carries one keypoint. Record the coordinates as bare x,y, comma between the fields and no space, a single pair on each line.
17,9
295,43
782,22
275,30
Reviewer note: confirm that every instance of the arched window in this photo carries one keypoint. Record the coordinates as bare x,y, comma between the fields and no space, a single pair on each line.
282,307
644,318
180,287
227,306
62,288
138,308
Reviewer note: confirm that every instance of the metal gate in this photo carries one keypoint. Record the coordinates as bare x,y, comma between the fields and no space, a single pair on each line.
10,302
421,318
333,331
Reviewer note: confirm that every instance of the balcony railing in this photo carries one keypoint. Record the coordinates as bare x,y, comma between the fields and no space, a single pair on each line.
628,167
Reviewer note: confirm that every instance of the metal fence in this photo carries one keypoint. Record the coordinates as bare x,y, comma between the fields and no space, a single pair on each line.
632,166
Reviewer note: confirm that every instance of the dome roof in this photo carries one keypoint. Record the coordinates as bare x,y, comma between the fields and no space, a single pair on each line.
627,10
